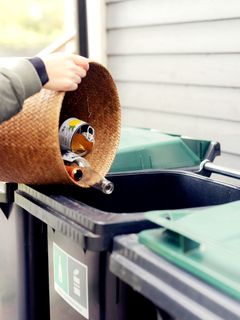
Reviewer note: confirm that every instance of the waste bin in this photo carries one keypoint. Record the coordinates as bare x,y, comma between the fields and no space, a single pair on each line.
82,224
203,241
169,287
25,272
23,246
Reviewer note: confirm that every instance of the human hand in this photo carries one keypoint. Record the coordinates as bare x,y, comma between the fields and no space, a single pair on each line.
65,71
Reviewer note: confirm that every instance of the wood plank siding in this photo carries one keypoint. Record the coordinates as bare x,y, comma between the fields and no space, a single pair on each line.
176,64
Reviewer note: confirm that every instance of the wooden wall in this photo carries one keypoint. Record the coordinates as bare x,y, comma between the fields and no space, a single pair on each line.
177,67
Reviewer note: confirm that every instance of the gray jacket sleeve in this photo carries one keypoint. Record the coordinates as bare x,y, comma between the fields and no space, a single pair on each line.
17,83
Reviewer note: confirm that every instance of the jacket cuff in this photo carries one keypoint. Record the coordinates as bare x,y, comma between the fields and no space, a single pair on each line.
40,68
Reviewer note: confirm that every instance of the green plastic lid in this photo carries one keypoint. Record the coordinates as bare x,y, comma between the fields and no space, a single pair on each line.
204,241
142,149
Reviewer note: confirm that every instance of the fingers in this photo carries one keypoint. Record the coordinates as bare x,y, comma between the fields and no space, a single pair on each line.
69,85
77,79
72,87
81,61
81,72
72,82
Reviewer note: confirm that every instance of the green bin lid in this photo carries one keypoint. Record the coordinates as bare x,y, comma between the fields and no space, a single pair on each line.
204,241
142,149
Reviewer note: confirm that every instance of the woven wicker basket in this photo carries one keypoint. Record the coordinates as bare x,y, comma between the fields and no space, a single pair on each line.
29,144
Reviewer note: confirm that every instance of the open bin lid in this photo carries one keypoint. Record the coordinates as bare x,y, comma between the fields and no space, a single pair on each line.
142,149
204,242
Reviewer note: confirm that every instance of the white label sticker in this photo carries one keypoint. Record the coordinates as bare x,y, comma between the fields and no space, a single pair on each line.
71,280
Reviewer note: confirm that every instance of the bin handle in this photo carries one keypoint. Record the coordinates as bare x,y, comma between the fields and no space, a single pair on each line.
209,166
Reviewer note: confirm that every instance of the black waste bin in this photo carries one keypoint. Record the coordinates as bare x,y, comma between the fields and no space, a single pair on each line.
24,260
174,292
23,246
82,224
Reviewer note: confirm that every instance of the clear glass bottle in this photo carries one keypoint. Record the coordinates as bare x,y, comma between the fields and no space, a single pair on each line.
77,163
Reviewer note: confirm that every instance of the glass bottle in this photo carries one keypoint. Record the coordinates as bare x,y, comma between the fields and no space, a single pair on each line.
74,172
87,174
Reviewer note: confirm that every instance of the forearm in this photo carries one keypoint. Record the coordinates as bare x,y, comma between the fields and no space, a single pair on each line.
17,84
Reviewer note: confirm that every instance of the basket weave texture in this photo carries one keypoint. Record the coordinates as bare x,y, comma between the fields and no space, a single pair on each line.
29,144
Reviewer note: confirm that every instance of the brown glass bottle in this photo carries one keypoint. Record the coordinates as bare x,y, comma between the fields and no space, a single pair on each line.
75,163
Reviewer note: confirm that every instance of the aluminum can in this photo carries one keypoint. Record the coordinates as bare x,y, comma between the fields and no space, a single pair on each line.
77,136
